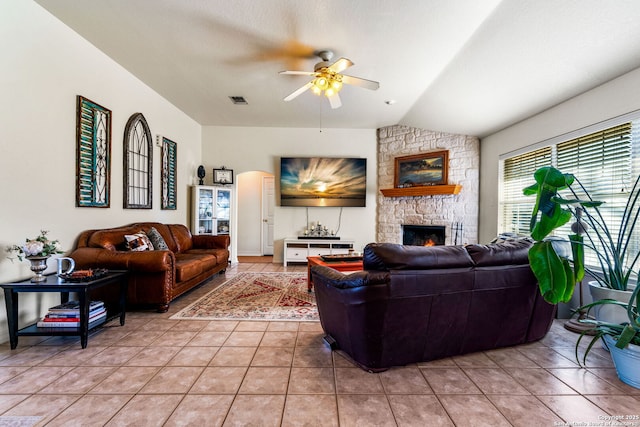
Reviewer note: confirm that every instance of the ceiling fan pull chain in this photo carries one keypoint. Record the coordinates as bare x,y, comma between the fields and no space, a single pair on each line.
320,104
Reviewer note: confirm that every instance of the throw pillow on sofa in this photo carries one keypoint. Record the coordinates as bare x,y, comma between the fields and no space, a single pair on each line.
156,240
138,242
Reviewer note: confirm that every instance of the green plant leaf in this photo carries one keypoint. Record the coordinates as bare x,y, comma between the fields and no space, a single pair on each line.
626,336
577,250
531,190
570,282
583,203
548,175
556,217
551,272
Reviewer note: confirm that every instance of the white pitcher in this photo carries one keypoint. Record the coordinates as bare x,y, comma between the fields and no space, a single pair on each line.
71,265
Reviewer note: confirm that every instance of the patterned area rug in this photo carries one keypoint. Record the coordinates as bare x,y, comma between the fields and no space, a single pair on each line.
256,296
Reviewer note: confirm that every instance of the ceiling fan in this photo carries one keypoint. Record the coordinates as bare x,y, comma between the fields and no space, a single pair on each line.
327,79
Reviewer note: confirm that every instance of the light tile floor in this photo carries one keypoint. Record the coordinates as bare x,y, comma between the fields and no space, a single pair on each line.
160,372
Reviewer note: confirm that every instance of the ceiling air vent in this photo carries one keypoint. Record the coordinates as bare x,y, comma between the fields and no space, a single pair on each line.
238,100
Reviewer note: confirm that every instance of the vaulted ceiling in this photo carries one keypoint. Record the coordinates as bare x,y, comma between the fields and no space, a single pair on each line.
462,66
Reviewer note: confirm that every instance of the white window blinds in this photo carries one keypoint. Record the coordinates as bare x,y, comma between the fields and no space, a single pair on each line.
517,174
602,161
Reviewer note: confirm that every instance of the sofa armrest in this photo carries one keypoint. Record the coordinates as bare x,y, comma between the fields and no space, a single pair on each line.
201,241
143,261
337,279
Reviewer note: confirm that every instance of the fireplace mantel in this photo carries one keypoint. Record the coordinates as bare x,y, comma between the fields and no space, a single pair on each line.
425,190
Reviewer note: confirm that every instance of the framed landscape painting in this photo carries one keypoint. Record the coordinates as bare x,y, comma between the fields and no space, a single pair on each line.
421,169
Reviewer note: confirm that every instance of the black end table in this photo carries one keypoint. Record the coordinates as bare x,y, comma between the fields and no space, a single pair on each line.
55,284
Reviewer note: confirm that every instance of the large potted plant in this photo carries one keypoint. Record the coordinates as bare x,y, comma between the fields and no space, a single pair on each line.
621,339
617,259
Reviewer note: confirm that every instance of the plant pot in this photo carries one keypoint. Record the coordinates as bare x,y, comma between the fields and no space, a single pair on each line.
38,266
609,313
626,361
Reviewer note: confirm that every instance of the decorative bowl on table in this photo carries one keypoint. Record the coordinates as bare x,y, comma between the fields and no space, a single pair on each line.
341,257
84,275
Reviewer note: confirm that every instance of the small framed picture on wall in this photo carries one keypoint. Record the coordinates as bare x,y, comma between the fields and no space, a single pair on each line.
223,176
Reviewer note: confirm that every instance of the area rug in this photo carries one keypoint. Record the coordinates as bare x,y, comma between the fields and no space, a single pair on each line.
256,296
18,421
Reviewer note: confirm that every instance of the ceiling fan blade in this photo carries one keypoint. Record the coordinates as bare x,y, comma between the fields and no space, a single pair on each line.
298,91
335,101
340,65
299,73
357,81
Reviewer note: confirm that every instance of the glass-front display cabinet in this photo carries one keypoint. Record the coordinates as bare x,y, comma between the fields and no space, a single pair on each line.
211,210
223,210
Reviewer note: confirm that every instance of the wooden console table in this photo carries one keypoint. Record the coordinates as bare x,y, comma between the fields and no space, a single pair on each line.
297,250
54,284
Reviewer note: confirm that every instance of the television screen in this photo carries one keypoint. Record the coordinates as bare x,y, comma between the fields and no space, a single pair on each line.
323,181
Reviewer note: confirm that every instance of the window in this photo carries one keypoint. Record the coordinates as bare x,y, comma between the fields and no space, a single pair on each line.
603,161
138,153
518,174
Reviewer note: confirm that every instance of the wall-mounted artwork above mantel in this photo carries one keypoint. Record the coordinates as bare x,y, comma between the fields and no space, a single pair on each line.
421,169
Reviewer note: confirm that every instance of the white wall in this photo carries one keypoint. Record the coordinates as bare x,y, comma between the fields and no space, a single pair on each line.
612,99
44,66
260,149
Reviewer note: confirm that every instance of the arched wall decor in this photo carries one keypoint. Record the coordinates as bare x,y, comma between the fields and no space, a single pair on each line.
138,166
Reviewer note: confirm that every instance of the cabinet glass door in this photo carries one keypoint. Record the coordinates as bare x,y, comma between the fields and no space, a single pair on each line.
206,215
223,210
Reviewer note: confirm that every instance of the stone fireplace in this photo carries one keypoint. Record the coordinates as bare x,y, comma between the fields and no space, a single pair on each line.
457,213
423,235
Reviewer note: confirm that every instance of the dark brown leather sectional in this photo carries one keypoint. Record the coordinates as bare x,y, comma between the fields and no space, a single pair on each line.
414,303
155,277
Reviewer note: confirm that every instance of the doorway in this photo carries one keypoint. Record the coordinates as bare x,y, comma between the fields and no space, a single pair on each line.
256,205
268,206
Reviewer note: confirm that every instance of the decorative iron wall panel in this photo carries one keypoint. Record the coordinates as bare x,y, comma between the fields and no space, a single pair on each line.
93,154
138,166
169,174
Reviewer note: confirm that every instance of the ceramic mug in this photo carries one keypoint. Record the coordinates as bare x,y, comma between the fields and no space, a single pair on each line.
71,265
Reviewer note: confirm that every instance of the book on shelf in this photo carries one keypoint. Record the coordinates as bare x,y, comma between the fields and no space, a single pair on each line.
72,318
51,322
72,307
75,314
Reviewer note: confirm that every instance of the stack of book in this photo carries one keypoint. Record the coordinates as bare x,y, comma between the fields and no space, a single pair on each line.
67,315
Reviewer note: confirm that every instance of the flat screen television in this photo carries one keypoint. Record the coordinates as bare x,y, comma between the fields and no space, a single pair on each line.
323,181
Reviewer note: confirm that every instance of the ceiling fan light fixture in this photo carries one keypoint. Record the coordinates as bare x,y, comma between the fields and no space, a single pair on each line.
322,83
327,79
329,83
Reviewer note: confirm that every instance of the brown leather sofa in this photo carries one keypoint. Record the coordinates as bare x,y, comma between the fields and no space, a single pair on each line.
413,304
155,277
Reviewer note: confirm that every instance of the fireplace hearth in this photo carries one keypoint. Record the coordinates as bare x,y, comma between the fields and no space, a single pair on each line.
423,235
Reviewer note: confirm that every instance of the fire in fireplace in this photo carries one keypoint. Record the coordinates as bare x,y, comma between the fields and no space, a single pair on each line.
423,235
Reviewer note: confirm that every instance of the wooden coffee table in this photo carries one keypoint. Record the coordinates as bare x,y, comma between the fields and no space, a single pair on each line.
54,284
339,265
